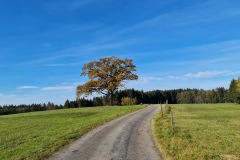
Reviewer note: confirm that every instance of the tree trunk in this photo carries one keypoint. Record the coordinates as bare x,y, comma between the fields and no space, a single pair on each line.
111,98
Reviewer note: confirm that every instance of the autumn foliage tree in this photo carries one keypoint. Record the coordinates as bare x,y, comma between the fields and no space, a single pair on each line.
128,101
106,76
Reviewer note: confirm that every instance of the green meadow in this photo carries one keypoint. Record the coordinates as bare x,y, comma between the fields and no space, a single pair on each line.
37,135
201,131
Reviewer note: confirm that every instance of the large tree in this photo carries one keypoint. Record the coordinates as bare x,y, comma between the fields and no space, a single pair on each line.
106,75
234,91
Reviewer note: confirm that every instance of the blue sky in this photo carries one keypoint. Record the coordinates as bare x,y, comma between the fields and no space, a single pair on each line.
173,43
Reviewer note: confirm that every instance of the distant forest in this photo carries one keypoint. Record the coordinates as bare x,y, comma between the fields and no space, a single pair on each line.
176,96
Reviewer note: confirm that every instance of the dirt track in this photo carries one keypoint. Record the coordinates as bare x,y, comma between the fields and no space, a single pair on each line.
126,138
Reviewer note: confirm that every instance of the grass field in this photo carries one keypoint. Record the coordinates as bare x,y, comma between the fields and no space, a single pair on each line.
39,134
201,131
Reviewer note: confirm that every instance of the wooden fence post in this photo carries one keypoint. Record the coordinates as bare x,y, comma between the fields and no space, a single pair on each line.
171,115
161,109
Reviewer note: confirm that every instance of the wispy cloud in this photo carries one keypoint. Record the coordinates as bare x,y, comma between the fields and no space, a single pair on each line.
169,19
143,24
27,87
37,97
147,80
174,77
153,82
113,45
208,74
218,47
82,52
162,78
200,56
188,16
7,96
203,80
80,27
58,88
205,74
57,94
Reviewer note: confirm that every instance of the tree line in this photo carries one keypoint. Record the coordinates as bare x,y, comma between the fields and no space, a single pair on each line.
22,108
219,95
175,96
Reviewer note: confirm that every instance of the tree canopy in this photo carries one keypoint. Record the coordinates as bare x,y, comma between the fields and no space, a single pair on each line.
234,91
106,76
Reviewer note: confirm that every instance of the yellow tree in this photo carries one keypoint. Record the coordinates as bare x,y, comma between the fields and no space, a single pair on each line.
238,83
106,76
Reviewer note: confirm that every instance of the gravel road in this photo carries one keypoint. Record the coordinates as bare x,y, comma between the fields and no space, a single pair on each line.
125,138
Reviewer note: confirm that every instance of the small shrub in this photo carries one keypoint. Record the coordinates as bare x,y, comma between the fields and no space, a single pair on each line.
125,101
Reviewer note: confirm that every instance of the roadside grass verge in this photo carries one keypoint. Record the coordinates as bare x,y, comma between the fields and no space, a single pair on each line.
37,135
201,131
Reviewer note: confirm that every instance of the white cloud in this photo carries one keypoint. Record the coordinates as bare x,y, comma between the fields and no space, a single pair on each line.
27,87
149,80
57,94
37,97
207,74
164,78
174,77
144,81
58,88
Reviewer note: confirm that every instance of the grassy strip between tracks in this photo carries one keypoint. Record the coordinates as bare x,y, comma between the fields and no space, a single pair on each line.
37,135
201,131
